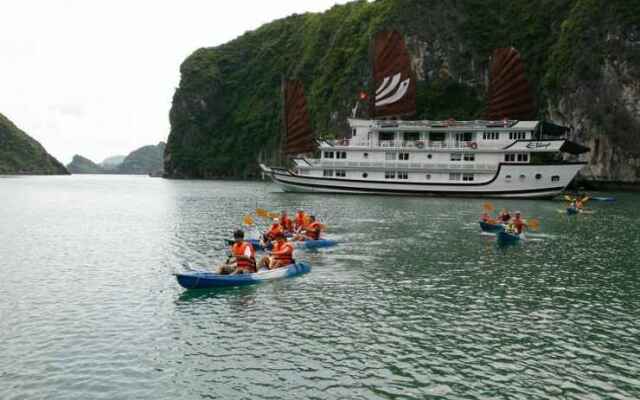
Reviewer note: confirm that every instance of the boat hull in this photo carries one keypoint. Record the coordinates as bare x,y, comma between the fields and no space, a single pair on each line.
503,184
208,280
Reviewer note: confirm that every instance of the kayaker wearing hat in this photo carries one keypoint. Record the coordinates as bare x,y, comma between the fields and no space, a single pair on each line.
299,222
504,216
243,254
281,254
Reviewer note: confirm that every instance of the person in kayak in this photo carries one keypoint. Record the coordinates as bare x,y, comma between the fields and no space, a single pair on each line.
281,254
270,235
486,218
312,230
298,222
517,224
504,216
243,254
286,223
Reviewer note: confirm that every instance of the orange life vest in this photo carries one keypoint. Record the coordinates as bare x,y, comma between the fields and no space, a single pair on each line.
283,253
299,219
238,250
518,224
286,223
275,229
312,231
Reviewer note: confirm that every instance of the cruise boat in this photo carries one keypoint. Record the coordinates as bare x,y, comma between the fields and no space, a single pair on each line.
386,154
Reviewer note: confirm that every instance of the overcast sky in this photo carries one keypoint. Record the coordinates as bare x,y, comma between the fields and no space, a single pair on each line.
96,78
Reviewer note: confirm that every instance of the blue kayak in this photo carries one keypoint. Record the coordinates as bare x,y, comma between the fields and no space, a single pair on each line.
207,280
604,199
493,228
505,237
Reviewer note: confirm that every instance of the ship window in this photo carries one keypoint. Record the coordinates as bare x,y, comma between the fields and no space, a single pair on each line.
429,156
456,156
522,177
403,175
467,136
403,156
507,178
517,135
555,178
436,136
469,157
467,177
387,136
455,176
523,157
353,132
327,172
538,176
341,172
509,158
390,155
341,154
365,175
411,136
490,135
428,177
389,174
366,155
328,154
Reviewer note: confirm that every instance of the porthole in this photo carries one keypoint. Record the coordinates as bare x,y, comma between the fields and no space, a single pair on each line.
507,178
538,176
428,177
366,155
429,156
365,175
522,177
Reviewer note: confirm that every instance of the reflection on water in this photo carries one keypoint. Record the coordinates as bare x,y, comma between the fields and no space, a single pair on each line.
415,302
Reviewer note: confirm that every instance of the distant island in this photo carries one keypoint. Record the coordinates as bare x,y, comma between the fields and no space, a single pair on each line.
20,154
147,160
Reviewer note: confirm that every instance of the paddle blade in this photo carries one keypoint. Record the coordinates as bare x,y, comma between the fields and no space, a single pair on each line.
261,212
488,207
247,220
273,215
533,224
568,198
585,199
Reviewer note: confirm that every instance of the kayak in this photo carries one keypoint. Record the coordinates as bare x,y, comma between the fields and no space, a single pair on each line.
206,279
314,244
493,228
305,244
507,237
604,199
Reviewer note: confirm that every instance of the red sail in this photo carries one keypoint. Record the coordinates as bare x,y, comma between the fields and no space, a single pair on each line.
298,134
509,94
394,91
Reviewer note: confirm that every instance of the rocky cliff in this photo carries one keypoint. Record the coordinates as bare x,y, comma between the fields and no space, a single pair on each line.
21,154
82,165
582,58
145,160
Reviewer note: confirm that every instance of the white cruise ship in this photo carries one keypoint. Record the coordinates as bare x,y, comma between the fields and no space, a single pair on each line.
499,157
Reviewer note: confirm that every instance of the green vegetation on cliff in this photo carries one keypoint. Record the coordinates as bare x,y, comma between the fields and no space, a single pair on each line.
82,165
145,160
226,112
21,154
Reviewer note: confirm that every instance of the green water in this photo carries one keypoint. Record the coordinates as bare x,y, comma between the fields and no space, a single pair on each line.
414,303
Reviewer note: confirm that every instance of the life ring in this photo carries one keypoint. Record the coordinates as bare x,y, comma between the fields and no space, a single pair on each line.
420,145
473,145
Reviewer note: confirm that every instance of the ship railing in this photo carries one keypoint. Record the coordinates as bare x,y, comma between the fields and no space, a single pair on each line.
404,144
466,166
